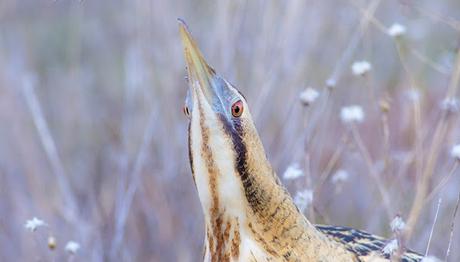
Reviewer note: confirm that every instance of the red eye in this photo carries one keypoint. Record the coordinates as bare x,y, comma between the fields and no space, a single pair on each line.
186,111
237,108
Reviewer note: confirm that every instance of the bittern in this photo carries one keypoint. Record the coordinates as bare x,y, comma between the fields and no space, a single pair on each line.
249,215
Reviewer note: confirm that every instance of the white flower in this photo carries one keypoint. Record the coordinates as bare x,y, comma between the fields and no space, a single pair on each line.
430,259
72,247
33,224
308,96
331,83
451,104
292,172
303,199
396,30
360,68
413,94
353,113
455,152
340,176
398,224
391,247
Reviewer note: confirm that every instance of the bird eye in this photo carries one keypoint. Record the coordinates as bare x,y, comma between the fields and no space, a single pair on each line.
237,108
186,111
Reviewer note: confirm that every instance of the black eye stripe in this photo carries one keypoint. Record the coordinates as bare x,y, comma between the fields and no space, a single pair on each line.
241,94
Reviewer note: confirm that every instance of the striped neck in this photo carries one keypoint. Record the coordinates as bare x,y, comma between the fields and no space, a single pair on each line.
248,213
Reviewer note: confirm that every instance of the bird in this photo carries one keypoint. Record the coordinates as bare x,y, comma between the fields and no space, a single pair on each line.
249,215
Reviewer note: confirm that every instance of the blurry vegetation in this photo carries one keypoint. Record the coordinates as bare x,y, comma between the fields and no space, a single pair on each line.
93,140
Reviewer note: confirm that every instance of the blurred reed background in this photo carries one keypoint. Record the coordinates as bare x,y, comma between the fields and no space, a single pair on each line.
93,139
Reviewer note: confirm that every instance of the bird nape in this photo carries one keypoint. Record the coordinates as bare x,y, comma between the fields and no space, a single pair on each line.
249,215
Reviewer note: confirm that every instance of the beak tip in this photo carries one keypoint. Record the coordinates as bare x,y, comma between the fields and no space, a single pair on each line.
197,67
182,25
181,22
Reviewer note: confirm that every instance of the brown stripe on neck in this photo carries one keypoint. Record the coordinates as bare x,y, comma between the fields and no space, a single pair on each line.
213,173
190,155
252,192
206,153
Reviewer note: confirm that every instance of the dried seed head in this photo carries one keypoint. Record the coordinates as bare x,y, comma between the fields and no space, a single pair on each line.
398,224
72,247
455,152
384,106
396,30
292,172
34,223
352,114
360,68
303,199
52,243
391,247
331,83
308,96
451,105
340,176
413,94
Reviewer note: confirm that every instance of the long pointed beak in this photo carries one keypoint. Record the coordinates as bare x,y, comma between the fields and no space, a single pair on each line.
197,67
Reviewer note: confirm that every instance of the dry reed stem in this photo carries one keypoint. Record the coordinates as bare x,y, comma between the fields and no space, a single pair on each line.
135,175
442,18
369,15
437,67
452,228
416,109
421,57
354,41
440,131
50,148
441,184
331,163
370,166
386,141
432,227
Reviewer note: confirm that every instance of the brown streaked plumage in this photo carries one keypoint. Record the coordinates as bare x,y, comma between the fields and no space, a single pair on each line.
249,215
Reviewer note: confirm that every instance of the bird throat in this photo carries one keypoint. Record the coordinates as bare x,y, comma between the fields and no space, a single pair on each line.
249,216
218,159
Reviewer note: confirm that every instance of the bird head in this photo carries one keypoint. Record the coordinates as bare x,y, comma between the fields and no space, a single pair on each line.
210,98
224,146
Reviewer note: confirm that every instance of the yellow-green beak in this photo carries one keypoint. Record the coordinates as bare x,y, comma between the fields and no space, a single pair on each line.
199,72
